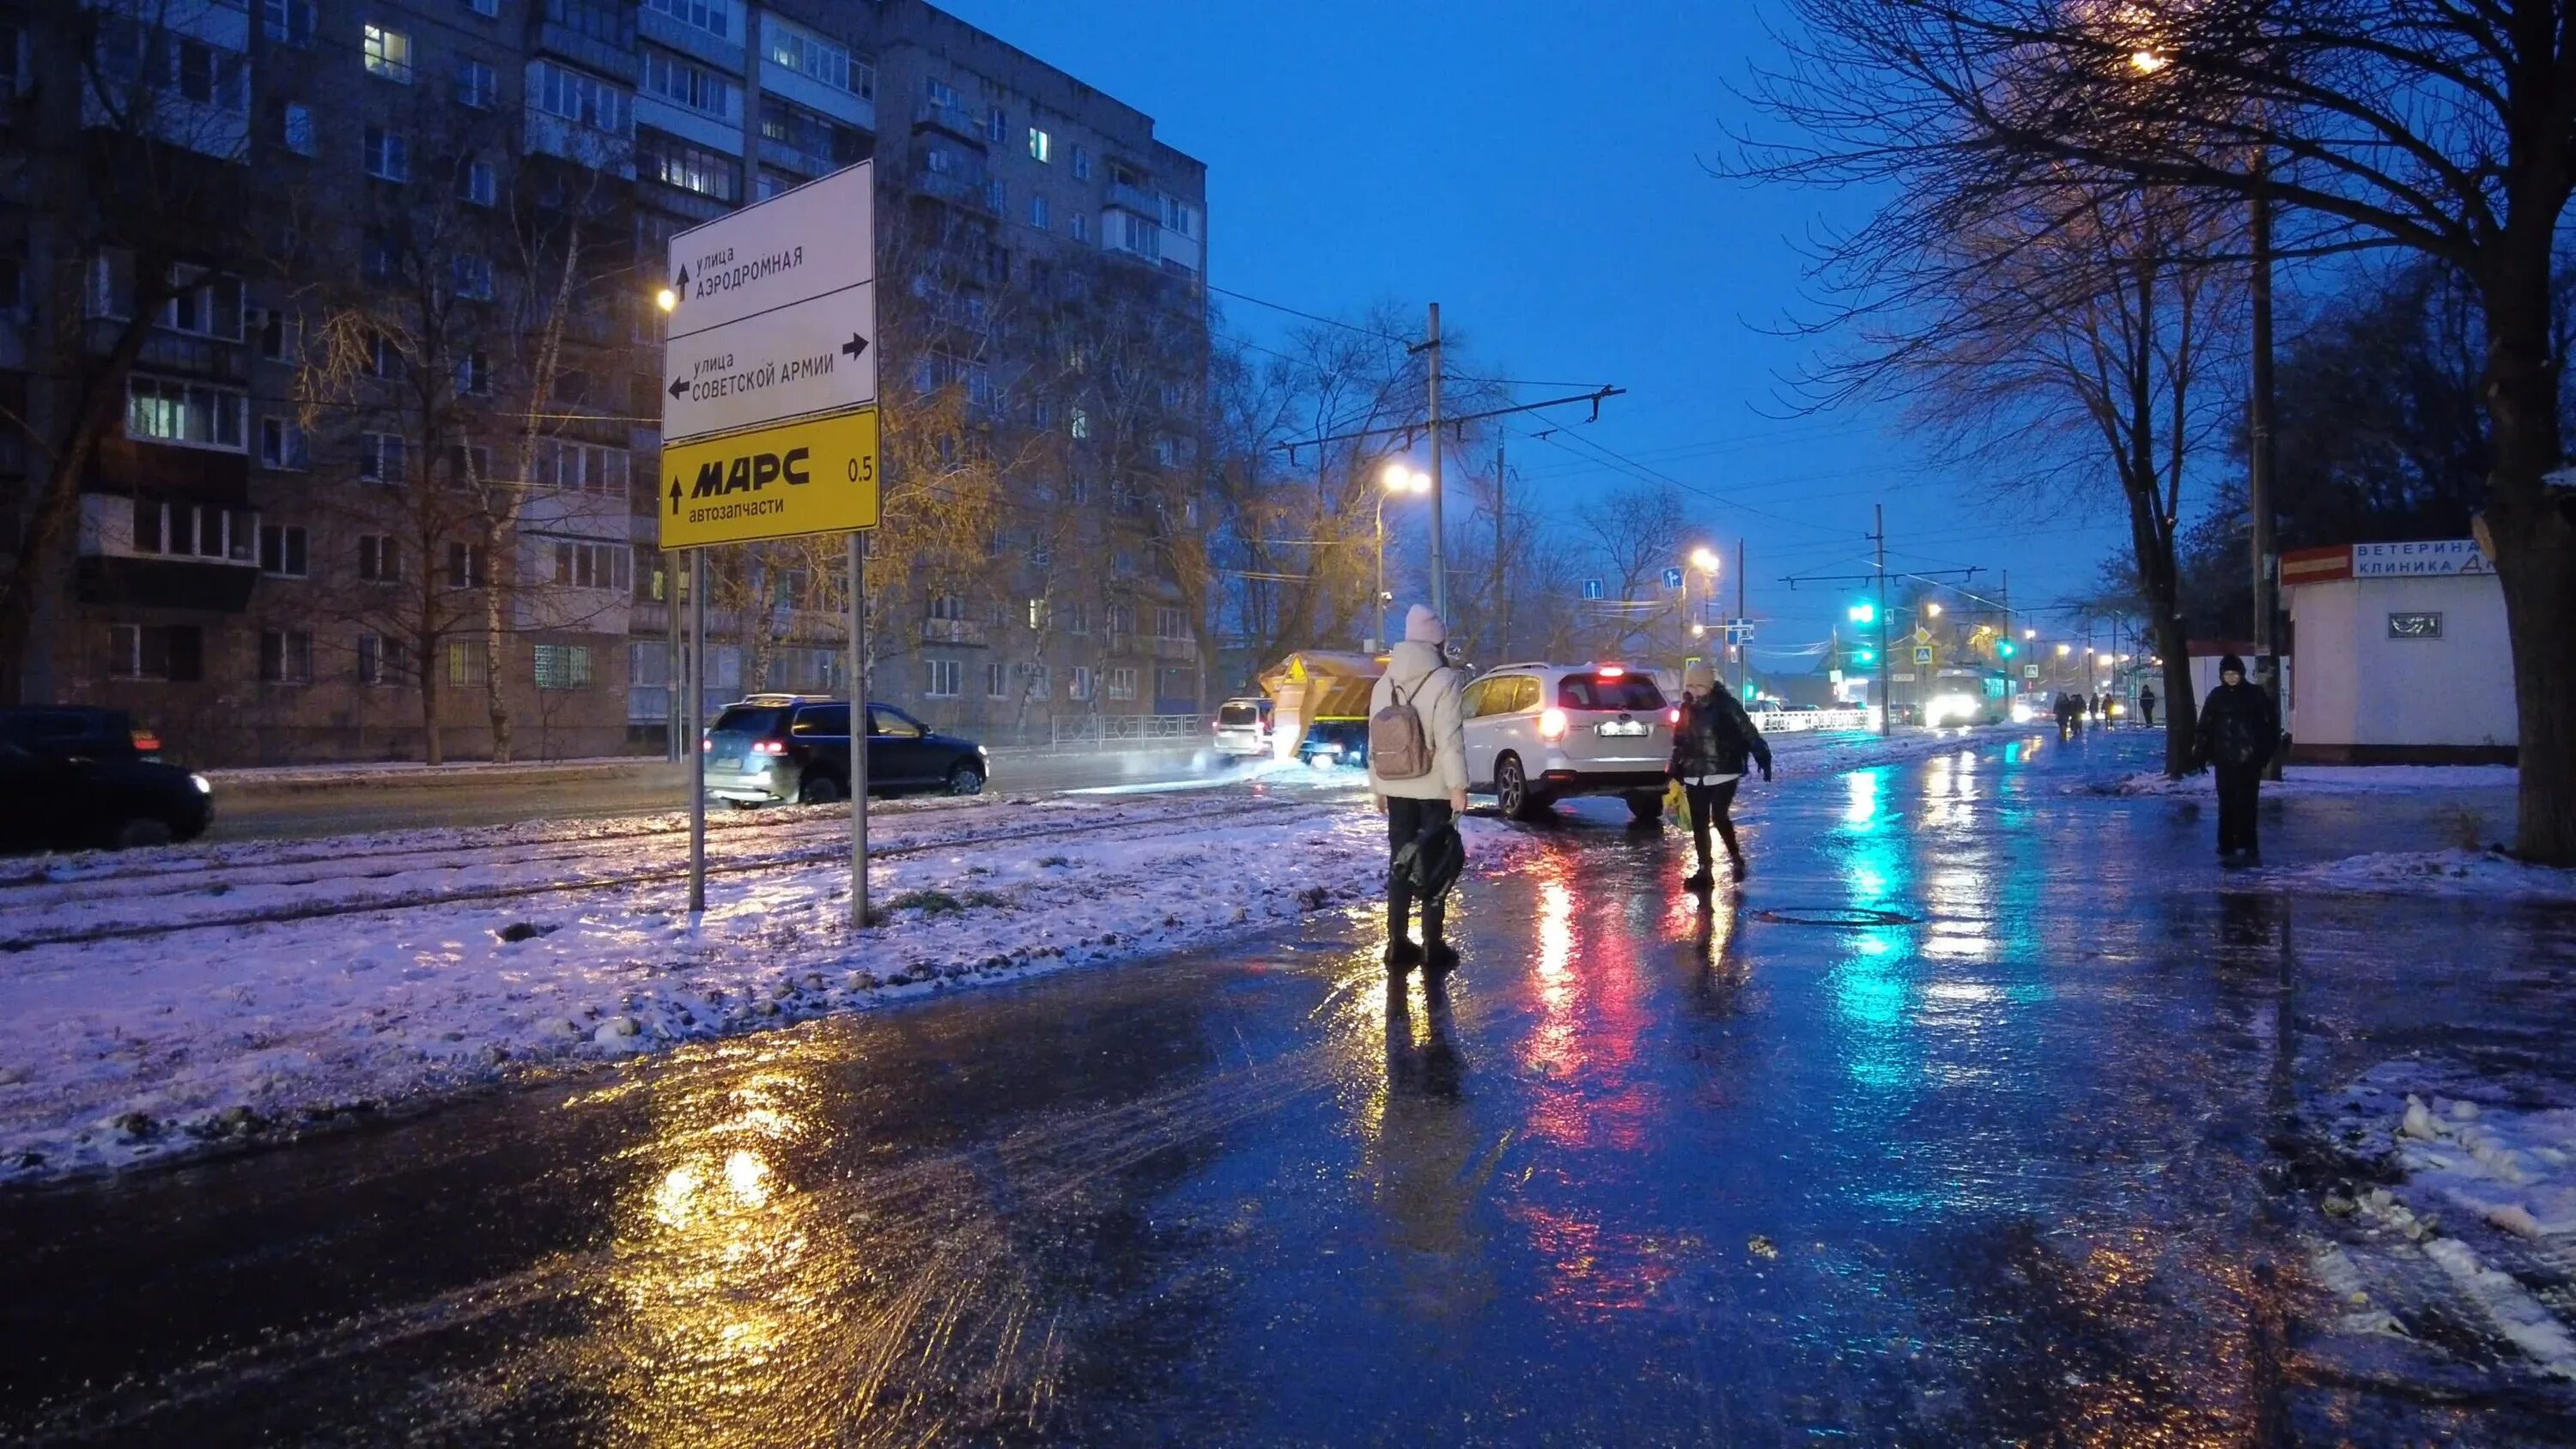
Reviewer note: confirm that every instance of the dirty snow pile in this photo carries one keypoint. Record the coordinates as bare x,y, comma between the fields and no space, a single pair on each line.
2486,1192
2306,780
219,1022
2483,874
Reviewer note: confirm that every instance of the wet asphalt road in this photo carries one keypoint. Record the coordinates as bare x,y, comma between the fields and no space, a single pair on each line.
1971,1118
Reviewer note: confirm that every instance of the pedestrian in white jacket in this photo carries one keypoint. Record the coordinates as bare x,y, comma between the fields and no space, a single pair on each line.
1418,675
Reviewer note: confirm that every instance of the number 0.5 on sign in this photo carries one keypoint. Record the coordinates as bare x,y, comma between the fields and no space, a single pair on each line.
817,475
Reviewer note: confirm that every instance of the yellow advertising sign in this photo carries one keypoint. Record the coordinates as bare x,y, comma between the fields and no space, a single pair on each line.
814,475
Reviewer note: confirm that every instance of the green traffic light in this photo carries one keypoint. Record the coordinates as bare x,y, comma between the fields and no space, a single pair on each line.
1863,613
2006,648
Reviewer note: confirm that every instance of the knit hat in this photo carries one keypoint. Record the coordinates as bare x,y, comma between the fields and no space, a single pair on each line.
2231,662
1421,626
1699,678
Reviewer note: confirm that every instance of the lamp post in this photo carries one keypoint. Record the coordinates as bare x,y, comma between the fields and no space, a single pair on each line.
1702,560
1396,477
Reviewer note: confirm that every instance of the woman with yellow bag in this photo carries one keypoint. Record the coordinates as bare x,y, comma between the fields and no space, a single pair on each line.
1711,744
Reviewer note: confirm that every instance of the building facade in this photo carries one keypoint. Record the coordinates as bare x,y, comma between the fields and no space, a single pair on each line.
2403,655
359,306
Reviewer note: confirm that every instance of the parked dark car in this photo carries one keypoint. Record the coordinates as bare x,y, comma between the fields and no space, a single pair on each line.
75,777
771,749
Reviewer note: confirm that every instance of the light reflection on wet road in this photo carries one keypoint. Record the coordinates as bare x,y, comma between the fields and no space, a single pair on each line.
1952,1126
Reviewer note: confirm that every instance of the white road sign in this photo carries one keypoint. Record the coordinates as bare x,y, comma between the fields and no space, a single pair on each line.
775,310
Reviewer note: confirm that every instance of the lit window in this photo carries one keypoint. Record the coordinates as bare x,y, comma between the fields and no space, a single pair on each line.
1039,144
166,410
388,53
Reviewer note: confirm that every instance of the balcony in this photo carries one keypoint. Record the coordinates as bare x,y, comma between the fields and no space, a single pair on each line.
953,631
1137,199
212,358
965,191
932,115
1185,651
790,158
719,51
615,58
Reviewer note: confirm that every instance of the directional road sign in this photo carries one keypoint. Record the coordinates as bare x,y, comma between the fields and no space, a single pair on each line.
1592,588
1740,632
770,372
1672,578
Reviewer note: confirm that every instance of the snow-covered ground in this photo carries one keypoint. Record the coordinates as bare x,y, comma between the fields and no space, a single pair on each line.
2486,874
2480,1186
2299,780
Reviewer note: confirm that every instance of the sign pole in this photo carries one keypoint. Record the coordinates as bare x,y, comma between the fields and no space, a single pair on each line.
695,743
858,732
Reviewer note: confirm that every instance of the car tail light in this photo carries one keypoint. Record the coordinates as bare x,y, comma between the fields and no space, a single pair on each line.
1216,726
769,747
1672,716
146,742
1551,725
705,746
1613,671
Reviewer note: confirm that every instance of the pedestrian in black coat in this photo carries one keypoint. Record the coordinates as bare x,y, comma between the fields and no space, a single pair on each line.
2239,730
2147,705
1711,745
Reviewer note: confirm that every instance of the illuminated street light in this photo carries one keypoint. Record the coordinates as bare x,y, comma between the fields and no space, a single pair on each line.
1704,559
2147,62
1932,609
666,299
2030,633
2063,650
1396,477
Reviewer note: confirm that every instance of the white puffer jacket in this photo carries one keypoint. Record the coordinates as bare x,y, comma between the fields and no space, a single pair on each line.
1434,690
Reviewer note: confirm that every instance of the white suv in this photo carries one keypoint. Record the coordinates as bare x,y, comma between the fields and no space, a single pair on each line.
1537,733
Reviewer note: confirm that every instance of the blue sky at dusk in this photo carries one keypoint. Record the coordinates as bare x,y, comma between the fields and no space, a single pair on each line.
1538,171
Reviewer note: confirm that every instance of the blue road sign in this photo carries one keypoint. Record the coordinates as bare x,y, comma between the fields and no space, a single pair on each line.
1672,578
1592,588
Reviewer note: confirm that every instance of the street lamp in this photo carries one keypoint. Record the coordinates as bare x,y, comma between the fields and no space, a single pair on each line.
667,300
1704,559
1932,610
1396,477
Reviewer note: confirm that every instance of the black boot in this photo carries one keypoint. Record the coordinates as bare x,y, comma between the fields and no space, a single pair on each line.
1439,953
1400,950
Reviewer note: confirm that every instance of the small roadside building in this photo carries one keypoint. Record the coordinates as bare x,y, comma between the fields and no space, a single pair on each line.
2403,657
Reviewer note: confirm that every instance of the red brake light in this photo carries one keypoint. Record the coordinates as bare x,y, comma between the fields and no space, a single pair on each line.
705,745
769,747
1551,725
147,742
1672,716
1613,671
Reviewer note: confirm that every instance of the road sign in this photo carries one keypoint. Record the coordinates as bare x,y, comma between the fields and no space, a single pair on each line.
776,310
1740,632
1902,678
1672,578
1592,588
814,475
1922,655
2030,671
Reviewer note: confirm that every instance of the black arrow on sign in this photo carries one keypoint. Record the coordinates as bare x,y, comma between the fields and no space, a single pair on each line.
682,285
679,385
675,495
855,345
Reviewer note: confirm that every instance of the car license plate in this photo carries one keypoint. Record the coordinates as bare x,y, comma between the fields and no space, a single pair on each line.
1620,729
727,762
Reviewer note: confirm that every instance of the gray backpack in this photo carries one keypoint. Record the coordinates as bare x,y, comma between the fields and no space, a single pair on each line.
1398,748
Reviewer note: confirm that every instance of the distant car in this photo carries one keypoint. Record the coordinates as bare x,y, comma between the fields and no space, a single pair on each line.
1537,733
1334,742
773,749
1243,727
78,777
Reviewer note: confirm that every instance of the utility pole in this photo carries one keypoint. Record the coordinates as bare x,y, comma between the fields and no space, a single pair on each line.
2258,461
1886,706
1743,649
1498,601
1439,556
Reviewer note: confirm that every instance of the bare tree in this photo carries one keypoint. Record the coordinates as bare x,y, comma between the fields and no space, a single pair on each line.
1632,536
2447,129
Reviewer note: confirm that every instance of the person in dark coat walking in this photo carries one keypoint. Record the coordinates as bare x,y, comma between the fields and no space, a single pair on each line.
2239,729
1711,744
2147,705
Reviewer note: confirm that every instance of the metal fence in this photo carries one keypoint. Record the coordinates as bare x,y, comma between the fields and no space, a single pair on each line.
1118,731
1791,721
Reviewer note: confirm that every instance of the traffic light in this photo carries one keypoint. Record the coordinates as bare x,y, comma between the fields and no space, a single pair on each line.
1866,656
1863,612
2005,648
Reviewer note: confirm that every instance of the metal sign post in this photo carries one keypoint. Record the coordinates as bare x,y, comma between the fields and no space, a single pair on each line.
769,423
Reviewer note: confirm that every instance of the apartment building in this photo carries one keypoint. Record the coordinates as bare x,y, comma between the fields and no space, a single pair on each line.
372,292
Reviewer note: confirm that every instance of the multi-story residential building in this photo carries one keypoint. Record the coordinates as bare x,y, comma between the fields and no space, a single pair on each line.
373,298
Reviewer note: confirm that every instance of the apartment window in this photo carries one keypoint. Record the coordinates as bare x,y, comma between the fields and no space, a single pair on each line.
941,93
563,666
378,261
1037,613
281,551
191,414
208,76
1171,624
947,678
593,565
1122,683
172,652
1080,226
295,128
488,9
287,22
388,155
575,96
384,356
1040,144
476,86
388,53
1077,618
813,56
474,374
478,183
579,467
372,659
997,126
997,197
947,606
285,656
603,20
469,462
814,135
674,162
379,559
1081,423
465,565
1122,619
1179,217
281,335
1078,685
466,663
281,445
193,530
683,84
205,304
715,17
996,681
1081,164
1038,212
473,277
380,457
